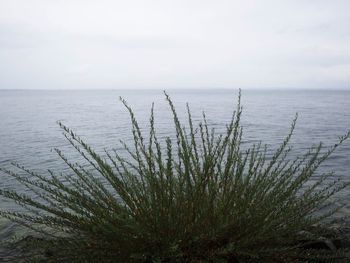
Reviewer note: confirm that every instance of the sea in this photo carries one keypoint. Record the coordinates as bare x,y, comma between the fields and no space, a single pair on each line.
29,131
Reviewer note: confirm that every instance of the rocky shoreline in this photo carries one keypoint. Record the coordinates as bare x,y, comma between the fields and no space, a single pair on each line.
10,254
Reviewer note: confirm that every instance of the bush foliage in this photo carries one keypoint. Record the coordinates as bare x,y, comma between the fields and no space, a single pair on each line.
196,197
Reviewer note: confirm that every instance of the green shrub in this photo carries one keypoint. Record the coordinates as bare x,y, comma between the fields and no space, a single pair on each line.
197,197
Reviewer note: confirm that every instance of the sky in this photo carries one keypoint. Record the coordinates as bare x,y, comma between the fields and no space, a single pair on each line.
83,44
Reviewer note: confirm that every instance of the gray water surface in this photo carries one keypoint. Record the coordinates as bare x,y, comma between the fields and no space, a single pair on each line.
29,130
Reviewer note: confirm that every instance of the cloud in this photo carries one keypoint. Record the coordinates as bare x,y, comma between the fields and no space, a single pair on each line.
121,44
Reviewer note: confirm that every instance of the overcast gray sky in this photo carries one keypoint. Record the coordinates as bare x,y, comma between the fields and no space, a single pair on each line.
54,44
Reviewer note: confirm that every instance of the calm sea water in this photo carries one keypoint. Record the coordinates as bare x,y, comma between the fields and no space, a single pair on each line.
29,131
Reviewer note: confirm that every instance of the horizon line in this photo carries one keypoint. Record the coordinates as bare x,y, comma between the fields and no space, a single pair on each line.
184,89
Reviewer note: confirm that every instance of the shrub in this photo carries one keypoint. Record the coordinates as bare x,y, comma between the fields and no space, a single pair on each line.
197,197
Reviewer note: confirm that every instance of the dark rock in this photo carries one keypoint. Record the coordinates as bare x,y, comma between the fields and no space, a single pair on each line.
48,253
322,244
232,259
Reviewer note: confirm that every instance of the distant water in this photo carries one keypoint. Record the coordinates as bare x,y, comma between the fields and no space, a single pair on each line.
29,131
